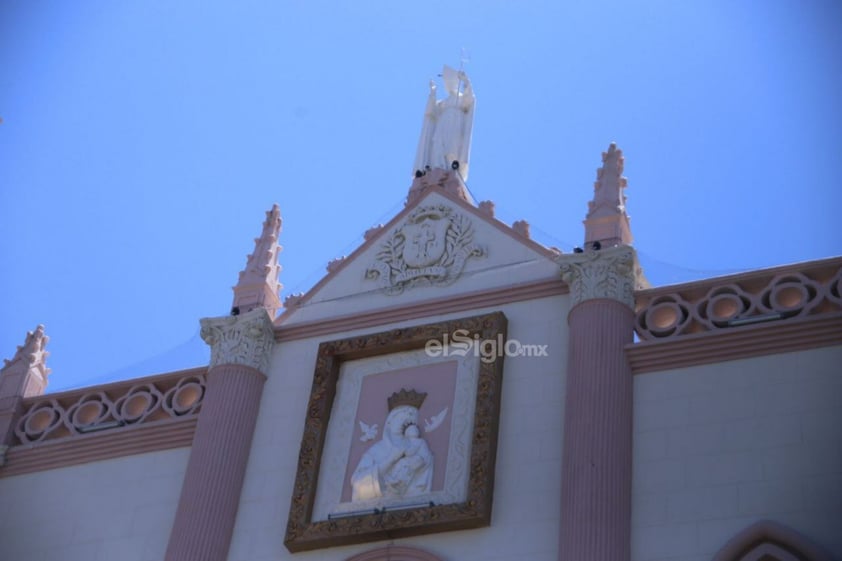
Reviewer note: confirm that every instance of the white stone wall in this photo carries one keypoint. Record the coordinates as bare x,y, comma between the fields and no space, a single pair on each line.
120,509
719,447
528,476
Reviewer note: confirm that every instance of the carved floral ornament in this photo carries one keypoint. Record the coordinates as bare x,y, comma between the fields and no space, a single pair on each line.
245,339
430,247
608,273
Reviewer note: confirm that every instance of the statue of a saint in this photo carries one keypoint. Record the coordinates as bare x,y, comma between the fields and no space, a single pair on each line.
401,463
446,135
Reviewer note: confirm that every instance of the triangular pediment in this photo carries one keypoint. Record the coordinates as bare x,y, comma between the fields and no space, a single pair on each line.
438,247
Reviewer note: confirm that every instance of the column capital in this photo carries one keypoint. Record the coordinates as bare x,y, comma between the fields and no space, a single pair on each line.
611,273
245,339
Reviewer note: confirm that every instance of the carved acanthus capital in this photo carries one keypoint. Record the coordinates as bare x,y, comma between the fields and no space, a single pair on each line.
608,273
245,339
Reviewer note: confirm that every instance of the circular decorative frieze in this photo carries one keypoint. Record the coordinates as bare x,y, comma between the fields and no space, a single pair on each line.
39,422
50,418
739,302
723,304
90,410
185,398
834,288
791,295
667,315
138,403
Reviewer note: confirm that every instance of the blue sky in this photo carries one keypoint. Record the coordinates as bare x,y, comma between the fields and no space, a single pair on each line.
142,142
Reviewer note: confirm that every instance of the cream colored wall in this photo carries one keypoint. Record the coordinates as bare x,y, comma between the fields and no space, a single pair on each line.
718,447
528,477
120,509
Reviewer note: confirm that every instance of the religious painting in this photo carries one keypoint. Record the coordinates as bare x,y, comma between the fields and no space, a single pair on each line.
395,422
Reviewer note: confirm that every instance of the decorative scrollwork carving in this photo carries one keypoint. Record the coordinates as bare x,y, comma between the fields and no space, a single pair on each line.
246,339
431,247
608,273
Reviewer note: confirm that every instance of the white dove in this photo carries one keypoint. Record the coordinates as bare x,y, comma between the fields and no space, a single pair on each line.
432,424
369,432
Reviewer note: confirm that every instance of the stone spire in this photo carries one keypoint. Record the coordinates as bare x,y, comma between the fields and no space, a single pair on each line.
25,375
258,285
607,221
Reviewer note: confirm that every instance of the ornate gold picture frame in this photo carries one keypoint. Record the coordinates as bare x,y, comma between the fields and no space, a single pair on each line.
304,533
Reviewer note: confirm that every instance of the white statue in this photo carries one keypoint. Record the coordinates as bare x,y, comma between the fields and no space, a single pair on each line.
446,135
401,463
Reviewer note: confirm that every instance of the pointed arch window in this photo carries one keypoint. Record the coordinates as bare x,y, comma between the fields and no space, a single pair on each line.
394,553
770,541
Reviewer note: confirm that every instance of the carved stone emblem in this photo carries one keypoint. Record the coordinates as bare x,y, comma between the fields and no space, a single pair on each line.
431,247
246,339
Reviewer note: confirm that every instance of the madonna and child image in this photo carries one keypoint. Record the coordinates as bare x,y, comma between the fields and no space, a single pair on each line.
400,464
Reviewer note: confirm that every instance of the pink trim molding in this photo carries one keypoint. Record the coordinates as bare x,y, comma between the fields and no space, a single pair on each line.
116,443
470,301
770,540
796,334
597,453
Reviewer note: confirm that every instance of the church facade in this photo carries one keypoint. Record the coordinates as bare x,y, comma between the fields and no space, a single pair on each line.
455,391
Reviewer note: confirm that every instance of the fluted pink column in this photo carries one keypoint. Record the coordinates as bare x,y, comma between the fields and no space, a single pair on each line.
210,495
597,453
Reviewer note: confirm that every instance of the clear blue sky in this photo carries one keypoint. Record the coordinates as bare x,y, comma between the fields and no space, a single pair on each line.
142,142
